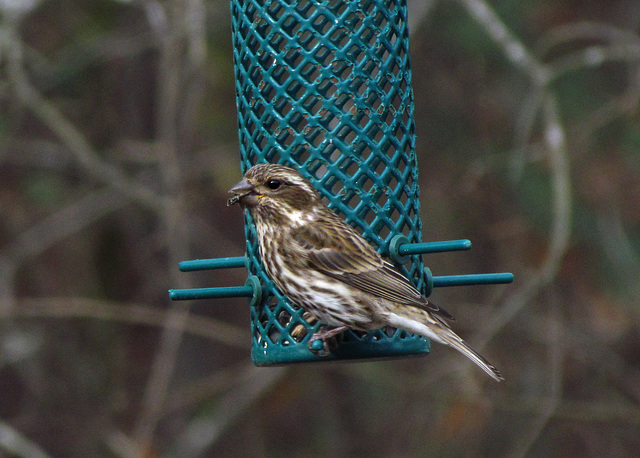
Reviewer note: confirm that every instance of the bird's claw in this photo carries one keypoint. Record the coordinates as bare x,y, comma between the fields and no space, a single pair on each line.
326,335
321,346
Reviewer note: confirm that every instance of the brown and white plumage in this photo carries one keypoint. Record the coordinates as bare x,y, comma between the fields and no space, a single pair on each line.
322,264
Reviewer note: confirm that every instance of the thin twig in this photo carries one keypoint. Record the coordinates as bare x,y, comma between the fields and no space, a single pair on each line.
560,226
68,134
205,431
16,444
170,72
547,408
587,412
525,124
557,153
50,230
76,216
595,56
134,314
418,12
513,49
206,387
583,31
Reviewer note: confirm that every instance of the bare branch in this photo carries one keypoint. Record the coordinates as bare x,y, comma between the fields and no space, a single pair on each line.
513,49
203,432
68,134
63,223
547,408
561,222
50,230
169,96
16,444
134,314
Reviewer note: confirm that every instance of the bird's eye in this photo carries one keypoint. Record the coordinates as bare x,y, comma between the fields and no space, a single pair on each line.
274,184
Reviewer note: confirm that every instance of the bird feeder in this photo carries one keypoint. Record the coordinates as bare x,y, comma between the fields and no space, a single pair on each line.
324,86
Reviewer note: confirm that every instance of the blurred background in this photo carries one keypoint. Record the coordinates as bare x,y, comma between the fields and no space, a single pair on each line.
118,143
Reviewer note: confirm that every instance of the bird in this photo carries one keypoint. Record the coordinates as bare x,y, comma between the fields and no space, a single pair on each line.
324,266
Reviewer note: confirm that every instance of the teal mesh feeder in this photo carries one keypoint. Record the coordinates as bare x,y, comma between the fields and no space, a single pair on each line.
325,87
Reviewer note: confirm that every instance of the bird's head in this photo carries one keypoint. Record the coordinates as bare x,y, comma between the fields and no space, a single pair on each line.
274,191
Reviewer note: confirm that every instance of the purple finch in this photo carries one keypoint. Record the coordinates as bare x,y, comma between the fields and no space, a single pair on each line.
323,265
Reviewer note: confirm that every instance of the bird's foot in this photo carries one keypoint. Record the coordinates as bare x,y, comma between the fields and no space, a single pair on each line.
326,338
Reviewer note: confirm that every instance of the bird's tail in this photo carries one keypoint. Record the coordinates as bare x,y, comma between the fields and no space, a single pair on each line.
435,330
452,339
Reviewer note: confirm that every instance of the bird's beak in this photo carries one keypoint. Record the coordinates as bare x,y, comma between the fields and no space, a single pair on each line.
243,192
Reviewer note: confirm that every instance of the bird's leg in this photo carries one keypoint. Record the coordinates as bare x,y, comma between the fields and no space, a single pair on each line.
325,334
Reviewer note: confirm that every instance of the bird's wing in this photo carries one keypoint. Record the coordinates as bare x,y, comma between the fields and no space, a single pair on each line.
353,261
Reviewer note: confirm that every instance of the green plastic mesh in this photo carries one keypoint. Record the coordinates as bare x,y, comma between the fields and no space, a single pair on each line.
325,87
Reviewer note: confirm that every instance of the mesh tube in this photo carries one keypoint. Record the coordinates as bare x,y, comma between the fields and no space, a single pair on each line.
325,87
